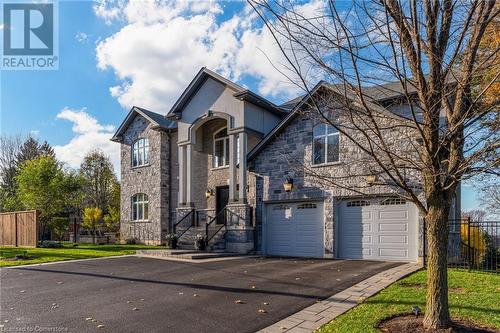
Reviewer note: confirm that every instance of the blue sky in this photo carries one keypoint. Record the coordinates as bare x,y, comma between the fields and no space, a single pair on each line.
115,55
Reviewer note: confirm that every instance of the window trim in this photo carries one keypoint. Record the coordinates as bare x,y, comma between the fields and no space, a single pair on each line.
325,136
145,148
145,200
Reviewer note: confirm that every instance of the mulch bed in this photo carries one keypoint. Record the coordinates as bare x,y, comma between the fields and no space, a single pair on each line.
410,323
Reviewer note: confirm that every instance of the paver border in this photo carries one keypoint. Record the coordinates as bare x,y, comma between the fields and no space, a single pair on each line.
316,315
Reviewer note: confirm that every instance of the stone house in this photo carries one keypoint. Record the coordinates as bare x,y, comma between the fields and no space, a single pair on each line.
218,163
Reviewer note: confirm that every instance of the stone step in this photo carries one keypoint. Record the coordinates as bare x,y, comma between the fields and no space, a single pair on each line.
185,254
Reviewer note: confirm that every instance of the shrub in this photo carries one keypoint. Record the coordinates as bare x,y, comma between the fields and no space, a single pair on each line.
50,244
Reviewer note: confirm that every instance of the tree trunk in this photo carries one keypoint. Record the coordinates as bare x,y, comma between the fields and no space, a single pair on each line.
436,312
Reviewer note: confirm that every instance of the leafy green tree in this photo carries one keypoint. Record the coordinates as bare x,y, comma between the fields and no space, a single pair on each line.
59,225
100,180
41,187
9,148
112,219
91,218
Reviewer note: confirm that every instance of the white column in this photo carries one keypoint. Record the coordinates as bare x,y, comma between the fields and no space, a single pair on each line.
189,174
182,177
243,168
232,167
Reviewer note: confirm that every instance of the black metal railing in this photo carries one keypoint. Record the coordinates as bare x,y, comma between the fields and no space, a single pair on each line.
474,245
220,220
189,217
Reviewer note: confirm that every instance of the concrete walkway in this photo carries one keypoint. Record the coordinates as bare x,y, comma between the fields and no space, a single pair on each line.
315,316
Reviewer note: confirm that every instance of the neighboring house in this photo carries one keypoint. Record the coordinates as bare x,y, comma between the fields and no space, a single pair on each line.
221,157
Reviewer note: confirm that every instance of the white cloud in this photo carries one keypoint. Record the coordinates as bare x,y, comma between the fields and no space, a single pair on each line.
89,135
162,45
82,37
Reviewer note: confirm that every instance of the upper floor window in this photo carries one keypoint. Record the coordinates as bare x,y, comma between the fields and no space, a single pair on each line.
221,148
140,152
140,207
325,144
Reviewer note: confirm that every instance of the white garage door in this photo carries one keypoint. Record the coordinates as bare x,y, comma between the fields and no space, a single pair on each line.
295,229
378,229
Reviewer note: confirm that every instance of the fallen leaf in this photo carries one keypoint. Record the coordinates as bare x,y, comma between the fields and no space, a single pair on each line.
142,299
265,303
94,320
59,282
181,293
195,295
297,278
6,321
239,301
253,287
135,309
88,318
128,302
262,311
22,291
338,280
100,326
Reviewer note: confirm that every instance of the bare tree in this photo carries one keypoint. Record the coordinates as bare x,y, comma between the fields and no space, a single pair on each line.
9,148
397,69
476,215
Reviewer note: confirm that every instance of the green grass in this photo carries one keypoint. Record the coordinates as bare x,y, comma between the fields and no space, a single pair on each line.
472,296
67,252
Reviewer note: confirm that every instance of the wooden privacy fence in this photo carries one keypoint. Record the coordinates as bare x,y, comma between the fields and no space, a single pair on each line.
19,228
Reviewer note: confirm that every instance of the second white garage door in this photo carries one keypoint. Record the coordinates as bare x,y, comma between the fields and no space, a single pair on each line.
378,229
295,229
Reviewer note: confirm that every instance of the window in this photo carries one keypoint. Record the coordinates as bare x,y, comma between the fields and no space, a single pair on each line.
307,206
221,149
393,201
325,144
140,152
358,203
140,207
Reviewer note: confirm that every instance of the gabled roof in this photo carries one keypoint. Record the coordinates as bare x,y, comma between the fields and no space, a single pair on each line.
297,103
240,93
158,121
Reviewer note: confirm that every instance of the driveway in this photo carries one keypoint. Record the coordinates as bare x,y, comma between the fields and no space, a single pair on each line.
132,294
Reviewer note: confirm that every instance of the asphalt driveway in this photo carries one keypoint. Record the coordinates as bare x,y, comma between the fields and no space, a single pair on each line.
132,294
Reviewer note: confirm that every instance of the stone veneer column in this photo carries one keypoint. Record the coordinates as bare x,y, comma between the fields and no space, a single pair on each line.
242,198
232,168
182,177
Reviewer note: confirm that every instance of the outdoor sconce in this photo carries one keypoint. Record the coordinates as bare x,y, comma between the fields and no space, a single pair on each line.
371,179
288,184
209,193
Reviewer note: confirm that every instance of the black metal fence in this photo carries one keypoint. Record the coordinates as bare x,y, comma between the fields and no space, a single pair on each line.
474,245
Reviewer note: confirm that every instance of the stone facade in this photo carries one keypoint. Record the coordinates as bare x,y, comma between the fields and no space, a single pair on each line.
290,155
152,179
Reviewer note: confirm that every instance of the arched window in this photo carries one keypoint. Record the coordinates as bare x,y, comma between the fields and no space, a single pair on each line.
140,152
221,148
140,207
325,144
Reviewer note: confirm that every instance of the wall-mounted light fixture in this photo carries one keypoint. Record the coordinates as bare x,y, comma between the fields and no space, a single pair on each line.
208,193
371,179
288,184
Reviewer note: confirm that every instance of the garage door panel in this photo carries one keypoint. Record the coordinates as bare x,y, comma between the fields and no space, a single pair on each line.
354,213
396,227
393,239
391,253
355,227
393,214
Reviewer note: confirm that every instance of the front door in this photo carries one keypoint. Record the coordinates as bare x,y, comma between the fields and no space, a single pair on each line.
221,200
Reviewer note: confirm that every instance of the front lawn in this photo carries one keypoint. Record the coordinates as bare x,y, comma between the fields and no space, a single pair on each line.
473,296
67,252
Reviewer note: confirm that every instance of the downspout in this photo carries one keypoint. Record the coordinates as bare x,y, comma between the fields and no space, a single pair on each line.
170,223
